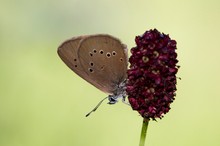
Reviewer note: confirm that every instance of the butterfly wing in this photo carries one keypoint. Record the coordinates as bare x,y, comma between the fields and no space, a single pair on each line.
103,59
99,59
68,52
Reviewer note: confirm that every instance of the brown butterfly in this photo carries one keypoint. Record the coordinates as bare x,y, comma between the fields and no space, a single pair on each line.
99,59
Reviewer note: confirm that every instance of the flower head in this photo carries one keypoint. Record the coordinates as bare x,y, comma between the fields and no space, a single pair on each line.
151,82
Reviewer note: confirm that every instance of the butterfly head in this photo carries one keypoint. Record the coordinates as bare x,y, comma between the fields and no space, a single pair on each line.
120,92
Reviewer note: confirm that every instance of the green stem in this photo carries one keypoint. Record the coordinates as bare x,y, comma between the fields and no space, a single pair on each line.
144,132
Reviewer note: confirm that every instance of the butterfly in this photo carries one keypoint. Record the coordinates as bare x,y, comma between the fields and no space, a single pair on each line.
99,59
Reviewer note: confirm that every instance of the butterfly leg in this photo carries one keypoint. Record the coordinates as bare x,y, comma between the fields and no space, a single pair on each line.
124,101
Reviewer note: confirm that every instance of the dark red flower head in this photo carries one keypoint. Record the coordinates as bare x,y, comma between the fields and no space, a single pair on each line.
151,82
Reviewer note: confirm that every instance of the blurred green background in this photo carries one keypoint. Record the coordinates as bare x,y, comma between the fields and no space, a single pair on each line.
43,103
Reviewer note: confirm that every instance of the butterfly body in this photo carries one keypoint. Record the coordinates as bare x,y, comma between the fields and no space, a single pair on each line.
99,59
119,93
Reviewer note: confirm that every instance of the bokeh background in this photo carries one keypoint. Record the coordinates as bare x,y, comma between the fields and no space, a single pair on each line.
43,103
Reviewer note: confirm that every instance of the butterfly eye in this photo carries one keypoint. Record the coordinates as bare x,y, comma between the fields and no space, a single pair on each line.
108,55
75,60
121,59
101,52
113,53
90,53
94,50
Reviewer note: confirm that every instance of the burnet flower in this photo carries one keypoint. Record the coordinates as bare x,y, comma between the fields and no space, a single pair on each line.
151,81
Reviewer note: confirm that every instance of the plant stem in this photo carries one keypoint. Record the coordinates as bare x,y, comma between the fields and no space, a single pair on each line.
144,132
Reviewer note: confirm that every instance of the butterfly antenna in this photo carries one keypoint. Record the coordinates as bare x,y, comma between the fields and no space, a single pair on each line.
100,102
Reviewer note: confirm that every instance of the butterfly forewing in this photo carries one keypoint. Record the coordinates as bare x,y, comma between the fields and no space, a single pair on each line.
104,59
